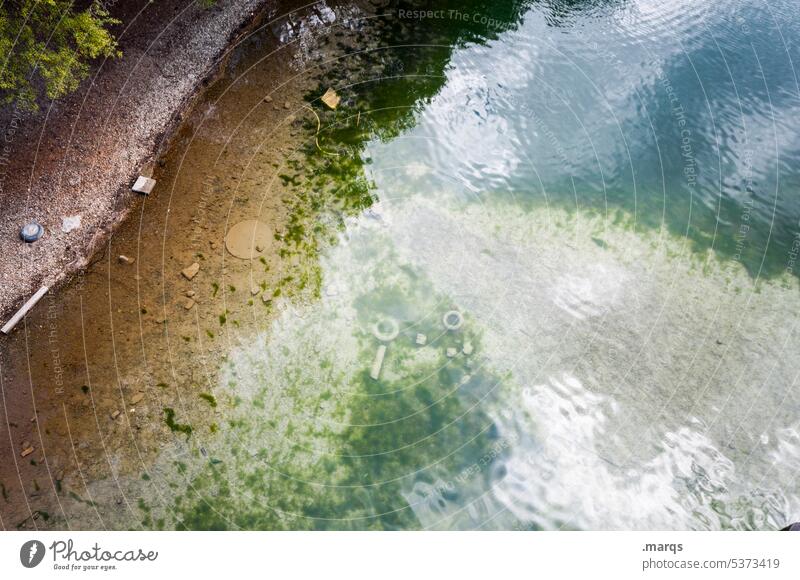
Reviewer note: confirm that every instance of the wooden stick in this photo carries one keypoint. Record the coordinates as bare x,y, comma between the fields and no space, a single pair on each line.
24,310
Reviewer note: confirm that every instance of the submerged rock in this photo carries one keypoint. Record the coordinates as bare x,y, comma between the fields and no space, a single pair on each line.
191,271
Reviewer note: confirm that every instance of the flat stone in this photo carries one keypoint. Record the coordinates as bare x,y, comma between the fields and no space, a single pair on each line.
27,451
191,271
115,414
451,352
468,349
287,105
31,232
189,293
144,185
189,303
137,398
248,239
422,340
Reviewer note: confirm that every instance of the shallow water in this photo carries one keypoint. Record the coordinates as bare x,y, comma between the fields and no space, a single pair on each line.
536,272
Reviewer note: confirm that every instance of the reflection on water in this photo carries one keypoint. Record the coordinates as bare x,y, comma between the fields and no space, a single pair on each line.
683,114
536,272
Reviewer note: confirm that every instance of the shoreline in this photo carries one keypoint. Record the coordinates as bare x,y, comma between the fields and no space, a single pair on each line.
118,123
97,421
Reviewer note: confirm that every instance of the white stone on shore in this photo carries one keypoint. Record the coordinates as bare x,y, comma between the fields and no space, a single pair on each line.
144,185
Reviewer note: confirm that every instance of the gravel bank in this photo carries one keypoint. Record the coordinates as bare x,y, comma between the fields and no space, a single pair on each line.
79,157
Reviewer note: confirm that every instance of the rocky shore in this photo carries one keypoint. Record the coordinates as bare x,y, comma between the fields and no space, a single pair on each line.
70,166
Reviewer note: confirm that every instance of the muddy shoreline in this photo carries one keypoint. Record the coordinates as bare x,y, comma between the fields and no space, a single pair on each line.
79,156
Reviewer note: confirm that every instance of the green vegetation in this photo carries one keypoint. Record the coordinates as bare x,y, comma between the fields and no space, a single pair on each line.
169,418
47,45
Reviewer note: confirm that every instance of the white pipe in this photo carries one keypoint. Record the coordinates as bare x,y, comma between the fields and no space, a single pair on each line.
24,310
378,362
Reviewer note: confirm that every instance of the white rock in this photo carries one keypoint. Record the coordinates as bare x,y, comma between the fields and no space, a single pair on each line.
70,223
144,185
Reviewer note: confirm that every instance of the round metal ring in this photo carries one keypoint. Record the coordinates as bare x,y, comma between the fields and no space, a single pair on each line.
386,329
452,320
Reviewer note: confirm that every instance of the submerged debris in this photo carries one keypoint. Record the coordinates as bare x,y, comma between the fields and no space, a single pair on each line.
144,185
378,362
331,99
452,320
248,239
70,223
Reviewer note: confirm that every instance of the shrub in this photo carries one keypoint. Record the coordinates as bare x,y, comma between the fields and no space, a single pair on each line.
46,45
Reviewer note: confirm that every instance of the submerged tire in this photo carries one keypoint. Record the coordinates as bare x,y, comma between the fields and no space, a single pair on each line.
452,320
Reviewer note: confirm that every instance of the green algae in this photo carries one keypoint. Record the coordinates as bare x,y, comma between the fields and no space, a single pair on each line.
209,398
175,427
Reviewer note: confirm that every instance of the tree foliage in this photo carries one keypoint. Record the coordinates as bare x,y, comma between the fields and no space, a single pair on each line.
46,45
